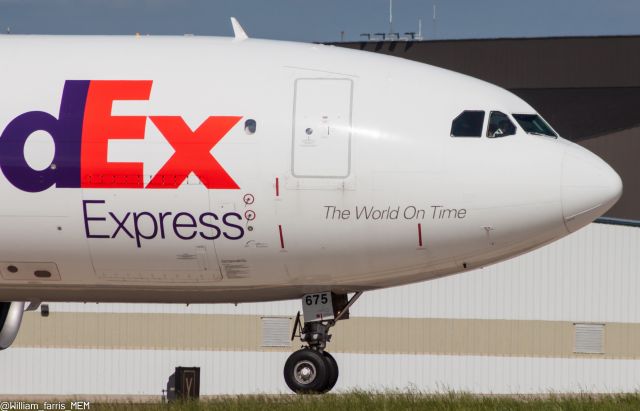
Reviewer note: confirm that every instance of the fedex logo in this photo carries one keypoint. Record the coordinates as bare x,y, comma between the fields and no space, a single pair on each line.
81,134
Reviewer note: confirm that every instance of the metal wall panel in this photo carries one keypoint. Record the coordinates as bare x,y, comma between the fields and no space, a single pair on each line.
144,373
527,62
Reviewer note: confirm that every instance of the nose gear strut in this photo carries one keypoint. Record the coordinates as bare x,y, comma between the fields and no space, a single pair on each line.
311,369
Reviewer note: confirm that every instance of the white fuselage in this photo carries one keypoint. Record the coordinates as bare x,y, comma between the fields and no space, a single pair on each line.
350,180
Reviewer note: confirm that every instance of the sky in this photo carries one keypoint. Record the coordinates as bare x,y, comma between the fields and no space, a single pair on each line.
323,21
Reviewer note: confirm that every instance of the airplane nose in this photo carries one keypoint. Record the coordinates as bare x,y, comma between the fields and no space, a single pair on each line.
589,187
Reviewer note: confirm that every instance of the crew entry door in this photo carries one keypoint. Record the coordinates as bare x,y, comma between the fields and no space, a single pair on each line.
322,128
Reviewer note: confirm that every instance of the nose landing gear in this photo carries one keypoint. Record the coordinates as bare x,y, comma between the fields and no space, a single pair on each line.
313,370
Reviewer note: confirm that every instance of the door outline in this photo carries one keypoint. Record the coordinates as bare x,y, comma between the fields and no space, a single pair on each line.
293,126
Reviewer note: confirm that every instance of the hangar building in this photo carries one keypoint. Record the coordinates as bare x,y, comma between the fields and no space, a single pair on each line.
565,318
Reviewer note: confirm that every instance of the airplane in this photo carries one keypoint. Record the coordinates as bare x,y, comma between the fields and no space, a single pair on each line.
189,169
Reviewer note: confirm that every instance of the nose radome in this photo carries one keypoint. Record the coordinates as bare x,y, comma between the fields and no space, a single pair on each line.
589,187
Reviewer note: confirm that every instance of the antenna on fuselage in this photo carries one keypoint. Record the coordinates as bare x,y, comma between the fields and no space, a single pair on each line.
435,22
238,31
390,18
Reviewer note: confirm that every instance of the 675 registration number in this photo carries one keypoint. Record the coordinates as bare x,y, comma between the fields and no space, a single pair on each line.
317,307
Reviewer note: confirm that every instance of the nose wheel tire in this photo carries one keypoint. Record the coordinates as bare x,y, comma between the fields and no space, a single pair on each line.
332,367
306,371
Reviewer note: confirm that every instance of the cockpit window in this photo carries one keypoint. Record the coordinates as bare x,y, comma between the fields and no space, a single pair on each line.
500,125
534,124
468,124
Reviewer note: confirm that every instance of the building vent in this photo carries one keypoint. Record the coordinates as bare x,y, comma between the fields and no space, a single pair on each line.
276,332
589,338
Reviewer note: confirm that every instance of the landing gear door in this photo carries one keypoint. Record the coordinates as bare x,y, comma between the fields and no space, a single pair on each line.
322,128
